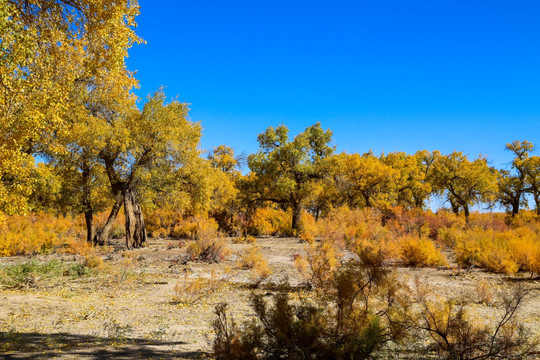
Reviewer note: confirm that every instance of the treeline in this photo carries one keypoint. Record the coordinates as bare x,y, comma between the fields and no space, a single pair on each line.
66,101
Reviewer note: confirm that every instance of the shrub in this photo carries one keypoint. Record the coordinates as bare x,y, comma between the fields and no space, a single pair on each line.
270,221
191,291
209,244
454,335
420,252
253,260
43,234
360,310
484,292
28,274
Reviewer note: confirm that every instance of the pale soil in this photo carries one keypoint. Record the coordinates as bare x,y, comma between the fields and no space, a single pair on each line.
127,309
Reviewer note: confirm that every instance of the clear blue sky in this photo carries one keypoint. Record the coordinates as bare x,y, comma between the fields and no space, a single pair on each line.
383,75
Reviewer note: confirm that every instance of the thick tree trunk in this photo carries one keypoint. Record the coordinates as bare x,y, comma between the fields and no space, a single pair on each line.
296,217
455,207
103,235
89,217
515,207
87,204
135,228
467,212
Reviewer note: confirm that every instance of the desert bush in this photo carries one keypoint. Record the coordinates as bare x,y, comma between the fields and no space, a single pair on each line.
503,252
419,252
209,245
360,310
270,221
484,292
455,335
191,291
253,260
250,258
41,234
244,239
322,260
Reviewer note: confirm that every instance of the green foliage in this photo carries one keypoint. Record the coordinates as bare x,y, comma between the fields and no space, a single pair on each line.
464,182
285,171
28,274
354,316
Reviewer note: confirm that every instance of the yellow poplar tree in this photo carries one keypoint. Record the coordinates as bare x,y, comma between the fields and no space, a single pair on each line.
47,47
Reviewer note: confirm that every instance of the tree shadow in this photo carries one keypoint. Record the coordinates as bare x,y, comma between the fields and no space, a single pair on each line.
18,345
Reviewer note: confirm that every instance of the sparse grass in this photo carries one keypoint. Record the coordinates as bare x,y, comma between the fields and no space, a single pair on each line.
29,274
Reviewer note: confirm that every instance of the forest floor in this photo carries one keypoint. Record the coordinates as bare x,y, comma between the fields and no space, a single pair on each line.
129,308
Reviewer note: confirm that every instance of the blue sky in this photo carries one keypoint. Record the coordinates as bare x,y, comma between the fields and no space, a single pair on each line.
383,75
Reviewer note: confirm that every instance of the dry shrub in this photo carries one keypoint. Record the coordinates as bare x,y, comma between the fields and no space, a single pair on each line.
484,292
94,262
244,239
209,244
323,258
191,291
250,258
42,234
253,260
419,252
455,335
358,312
270,221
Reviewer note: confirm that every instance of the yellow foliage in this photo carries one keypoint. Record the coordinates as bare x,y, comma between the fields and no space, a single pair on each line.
323,259
270,221
253,260
94,261
41,233
500,251
418,252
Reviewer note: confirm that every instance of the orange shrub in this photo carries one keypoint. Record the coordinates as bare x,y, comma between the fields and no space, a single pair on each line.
270,221
418,252
41,233
500,251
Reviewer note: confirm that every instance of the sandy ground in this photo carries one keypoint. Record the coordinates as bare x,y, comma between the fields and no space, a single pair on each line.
128,310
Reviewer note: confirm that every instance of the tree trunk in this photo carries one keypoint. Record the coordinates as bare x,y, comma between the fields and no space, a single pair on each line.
87,204
467,212
296,217
515,207
537,203
455,207
135,228
103,235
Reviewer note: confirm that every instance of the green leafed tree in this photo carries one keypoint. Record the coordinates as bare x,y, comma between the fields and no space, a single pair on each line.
464,182
285,170
513,184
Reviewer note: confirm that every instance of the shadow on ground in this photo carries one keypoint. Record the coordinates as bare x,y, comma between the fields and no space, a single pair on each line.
15,345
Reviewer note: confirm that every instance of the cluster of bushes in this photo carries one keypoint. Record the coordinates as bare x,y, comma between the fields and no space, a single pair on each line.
360,311
41,234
